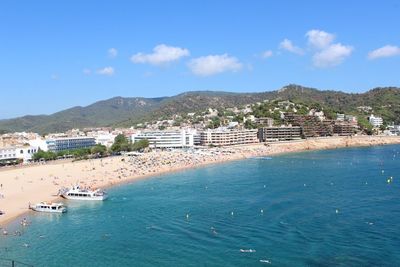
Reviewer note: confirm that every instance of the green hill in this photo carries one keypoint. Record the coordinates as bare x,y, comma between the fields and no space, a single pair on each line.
102,113
120,111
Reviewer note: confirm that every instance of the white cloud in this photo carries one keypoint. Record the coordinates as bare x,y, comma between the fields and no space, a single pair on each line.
267,54
214,64
286,44
112,53
87,71
108,71
162,54
385,51
320,39
332,55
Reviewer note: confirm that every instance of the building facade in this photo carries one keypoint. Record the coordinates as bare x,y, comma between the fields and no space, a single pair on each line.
312,126
69,143
265,121
343,129
394,129
340,116
15,154
284,133
375,121
167,139
225,137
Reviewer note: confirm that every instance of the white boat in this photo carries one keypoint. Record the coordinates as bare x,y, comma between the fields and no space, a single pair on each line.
77,193
49,207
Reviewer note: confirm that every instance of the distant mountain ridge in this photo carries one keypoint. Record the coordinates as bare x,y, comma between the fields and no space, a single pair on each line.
126,111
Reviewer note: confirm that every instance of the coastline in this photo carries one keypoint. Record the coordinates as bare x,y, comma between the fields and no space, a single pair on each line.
40,182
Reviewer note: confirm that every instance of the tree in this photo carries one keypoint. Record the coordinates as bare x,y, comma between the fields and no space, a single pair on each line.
140,145
250,125
238,118
46,155
176,123
99,149
365,125
121,143
214,123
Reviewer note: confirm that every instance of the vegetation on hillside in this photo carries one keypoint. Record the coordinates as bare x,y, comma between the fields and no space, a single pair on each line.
125,112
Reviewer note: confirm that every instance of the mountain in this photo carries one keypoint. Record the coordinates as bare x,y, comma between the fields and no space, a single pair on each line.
102,113
385,101
198,101
120,111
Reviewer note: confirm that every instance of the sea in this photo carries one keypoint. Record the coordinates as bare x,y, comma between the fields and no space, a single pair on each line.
321,208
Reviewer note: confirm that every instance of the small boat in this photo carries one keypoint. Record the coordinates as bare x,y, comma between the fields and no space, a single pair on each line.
247,250
77,193
49,207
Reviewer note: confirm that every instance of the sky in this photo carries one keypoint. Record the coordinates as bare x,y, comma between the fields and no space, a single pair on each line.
60,54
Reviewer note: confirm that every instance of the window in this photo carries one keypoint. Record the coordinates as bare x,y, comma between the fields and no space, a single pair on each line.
21,151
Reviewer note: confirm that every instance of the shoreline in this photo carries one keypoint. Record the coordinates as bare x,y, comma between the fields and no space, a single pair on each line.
21,187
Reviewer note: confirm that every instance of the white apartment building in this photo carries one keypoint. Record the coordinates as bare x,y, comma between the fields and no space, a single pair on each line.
394,130
105,139
14,153
375,121
340,116
39,143
167,139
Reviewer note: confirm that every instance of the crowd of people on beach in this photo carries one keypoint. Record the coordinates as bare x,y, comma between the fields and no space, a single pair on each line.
156,162
23,184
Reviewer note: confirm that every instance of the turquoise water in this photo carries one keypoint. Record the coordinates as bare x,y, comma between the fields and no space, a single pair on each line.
325,208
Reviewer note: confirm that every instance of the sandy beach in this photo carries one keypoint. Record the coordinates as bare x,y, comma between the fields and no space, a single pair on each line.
31,184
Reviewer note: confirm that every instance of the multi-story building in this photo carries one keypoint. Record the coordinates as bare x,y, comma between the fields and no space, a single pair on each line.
225,137
312,126
167,139
375,121
69,143
105,139
350,118
101,137
268,122
15,154
394,129
283,133
343,129
340,116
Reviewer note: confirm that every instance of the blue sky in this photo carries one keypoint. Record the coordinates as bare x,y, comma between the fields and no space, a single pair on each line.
59,54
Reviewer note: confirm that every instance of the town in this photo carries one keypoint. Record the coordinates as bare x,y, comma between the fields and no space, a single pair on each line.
265,122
